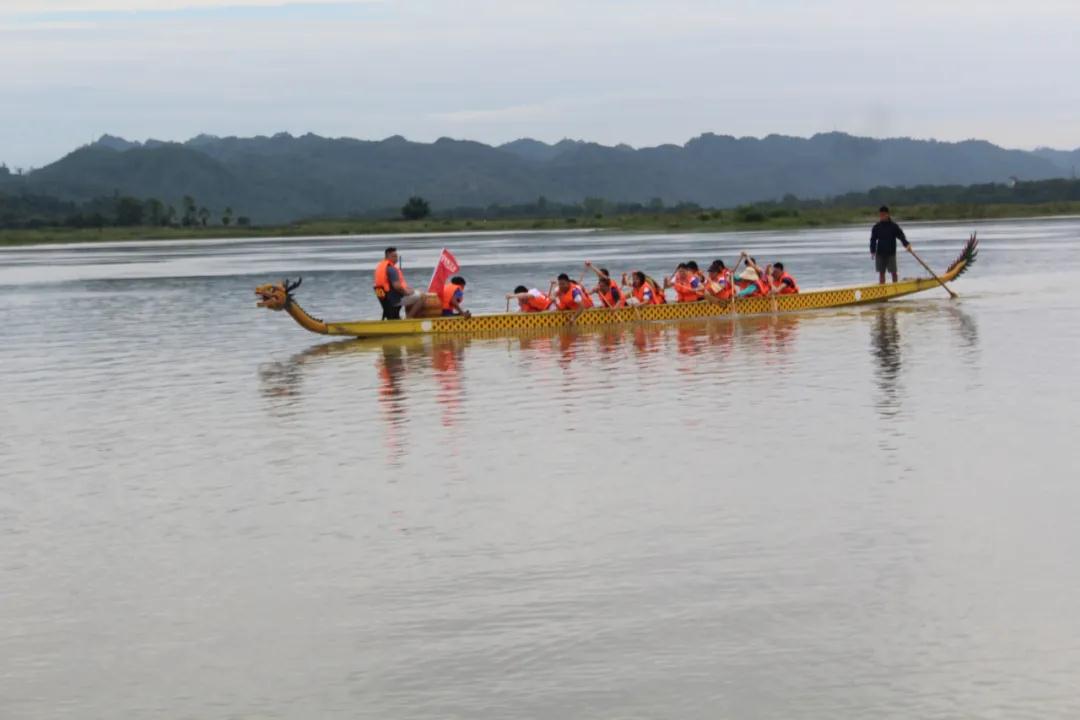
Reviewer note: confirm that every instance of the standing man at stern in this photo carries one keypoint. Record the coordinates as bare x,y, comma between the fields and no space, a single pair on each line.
883,244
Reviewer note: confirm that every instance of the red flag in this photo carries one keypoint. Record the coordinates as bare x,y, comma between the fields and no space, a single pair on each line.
446,268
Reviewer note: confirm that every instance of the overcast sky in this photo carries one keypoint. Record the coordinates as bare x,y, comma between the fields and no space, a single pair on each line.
643,72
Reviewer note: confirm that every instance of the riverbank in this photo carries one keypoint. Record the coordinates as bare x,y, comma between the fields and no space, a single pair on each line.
751,218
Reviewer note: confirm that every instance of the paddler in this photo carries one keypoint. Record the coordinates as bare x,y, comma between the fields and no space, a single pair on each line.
609,293
694,271
643,289
718,284
749,282
570,295
452,295
781,282
529,300
392,290
686,283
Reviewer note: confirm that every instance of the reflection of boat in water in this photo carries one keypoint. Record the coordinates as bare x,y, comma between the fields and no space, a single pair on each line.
279,297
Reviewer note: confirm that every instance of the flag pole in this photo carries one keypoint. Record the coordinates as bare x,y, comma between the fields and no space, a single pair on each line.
435,270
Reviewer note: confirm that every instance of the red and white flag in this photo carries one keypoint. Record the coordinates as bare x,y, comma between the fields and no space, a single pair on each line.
446,268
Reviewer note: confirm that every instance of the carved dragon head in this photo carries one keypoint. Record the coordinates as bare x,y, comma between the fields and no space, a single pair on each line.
276,296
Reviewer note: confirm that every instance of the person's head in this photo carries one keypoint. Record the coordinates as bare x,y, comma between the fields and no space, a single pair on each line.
692,266
883,212
777,270
458,280
520,289
681,270
391,254
564,282
639,278
605,282
605,273
716,267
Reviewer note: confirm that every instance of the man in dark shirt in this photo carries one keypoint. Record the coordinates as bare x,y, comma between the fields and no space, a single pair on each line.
883,244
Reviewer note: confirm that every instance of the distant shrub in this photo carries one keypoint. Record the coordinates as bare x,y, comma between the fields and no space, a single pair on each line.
749,213
704,217
571,220
416,208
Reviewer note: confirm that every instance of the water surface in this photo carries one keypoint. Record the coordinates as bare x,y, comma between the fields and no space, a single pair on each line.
208,513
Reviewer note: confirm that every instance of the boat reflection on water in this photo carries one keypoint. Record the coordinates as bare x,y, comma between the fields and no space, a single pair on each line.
417,379
400,361
773,335
885,343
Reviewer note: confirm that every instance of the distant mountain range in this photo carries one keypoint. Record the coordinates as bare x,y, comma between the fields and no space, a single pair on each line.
283,178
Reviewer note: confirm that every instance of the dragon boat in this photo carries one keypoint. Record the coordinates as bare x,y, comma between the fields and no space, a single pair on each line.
279,296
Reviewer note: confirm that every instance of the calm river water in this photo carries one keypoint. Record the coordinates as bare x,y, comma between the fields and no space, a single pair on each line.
206,512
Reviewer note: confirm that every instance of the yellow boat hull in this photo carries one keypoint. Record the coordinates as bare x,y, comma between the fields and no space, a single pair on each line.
278,297
510,322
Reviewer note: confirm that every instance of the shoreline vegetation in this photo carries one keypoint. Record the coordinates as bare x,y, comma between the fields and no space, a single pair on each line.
763,217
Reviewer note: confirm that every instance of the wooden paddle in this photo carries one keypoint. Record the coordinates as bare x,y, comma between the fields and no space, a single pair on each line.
932,273
734,272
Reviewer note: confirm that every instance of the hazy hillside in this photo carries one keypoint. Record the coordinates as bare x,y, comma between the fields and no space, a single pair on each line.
1067,160
281,178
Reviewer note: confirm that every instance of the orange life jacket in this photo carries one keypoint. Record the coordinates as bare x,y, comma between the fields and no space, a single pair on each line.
724,281
566,300
657,291
639,294
758,285
448,292
535,303
382,279
685,290
782,288
609,299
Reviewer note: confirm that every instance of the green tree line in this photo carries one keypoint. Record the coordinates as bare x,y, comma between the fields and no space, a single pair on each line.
28,210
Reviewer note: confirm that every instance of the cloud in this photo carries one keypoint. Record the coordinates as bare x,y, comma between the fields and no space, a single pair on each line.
45,25
40,8
638,71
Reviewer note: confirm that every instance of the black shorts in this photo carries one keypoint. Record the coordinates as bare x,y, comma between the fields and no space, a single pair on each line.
391,306
885,262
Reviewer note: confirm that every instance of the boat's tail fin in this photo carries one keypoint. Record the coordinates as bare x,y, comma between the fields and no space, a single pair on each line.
965,260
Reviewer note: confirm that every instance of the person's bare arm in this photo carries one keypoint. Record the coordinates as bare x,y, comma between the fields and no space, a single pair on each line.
397,282
589,266
455,307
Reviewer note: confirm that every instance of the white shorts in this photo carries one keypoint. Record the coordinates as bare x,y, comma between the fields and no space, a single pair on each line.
412,298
